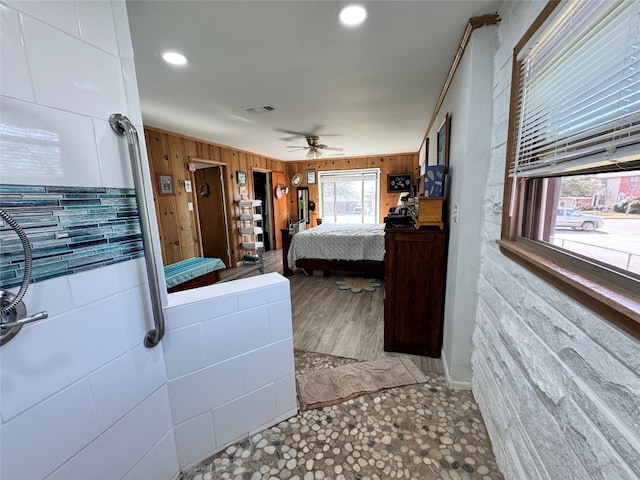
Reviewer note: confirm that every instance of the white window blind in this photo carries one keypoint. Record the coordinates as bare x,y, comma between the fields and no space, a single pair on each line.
349,176
579,103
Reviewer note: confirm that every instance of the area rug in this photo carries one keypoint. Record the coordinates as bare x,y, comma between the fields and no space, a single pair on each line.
358,284
330,386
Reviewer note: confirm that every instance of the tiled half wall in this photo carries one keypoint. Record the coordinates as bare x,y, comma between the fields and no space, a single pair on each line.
71,229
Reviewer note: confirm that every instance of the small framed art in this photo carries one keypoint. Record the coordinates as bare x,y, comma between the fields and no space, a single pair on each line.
311,177
443,142
399,182
165,184
241,177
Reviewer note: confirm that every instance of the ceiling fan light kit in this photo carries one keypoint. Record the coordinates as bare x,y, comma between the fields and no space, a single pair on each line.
314,147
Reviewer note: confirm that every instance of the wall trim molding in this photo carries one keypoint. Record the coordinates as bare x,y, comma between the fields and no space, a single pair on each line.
474,23
451,383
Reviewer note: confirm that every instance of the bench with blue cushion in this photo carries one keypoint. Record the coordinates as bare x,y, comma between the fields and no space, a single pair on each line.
192,272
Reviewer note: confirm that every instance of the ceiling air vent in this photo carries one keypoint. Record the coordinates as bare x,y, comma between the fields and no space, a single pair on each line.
259,109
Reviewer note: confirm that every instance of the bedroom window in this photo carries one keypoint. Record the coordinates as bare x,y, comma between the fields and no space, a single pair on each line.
573,146
349,196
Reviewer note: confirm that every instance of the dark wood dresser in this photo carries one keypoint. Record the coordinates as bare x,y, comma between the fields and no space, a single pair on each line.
415,277
286,243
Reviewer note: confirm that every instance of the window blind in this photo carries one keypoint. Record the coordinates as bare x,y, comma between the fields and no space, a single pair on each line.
348,176
579,101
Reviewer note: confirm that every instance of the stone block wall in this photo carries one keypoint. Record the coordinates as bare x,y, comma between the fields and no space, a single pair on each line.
558,386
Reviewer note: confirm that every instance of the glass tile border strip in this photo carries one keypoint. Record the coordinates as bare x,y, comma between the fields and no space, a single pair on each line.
71,229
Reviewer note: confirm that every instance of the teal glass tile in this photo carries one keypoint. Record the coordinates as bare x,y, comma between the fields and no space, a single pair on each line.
70,229
22,189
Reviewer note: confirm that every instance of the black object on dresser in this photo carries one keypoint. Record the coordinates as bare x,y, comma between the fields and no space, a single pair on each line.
415,277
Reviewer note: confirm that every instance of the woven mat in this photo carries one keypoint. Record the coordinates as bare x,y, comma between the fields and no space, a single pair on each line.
336,385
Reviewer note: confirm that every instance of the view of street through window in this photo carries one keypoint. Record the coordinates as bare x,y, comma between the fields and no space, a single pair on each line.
616,243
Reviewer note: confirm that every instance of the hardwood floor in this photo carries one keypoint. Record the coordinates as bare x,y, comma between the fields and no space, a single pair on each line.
331,321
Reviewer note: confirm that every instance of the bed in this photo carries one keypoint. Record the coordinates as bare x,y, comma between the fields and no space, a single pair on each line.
335,246
192,273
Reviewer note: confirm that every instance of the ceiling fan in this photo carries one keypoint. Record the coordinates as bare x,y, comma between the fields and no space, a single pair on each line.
314,147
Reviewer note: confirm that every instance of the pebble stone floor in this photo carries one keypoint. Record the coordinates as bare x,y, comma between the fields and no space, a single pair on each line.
416,432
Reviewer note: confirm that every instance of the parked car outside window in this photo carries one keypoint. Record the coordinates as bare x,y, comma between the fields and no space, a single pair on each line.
358,209
569,217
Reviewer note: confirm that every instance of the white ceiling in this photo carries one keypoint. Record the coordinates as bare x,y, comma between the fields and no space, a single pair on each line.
374,87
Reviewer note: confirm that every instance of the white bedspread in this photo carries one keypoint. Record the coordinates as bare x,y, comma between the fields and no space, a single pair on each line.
339,241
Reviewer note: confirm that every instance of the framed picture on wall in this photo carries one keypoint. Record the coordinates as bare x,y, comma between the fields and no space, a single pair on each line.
443,142
311,177
241,177
424,156
165,184
399,182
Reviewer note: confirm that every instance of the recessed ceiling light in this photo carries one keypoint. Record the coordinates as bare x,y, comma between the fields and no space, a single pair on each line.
174,58
353,15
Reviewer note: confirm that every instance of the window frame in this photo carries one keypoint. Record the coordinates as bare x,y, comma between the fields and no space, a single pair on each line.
594,286
346,172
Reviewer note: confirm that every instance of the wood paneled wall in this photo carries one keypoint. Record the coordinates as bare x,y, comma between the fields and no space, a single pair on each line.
170,153
400,163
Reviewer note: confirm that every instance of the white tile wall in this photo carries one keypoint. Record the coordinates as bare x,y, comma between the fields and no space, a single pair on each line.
93,29
60,14
53,353
194,311
268,364
64,381
15,80
184,351
235,419
285,402
134,375
37,442
44,146
248,379
91,81
205,389
52,296
234,334
81,396
115,169
280,320
136,315
195,439
162,458
112,280
143,428
123,37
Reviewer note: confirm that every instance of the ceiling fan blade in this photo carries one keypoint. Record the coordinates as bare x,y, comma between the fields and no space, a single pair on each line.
312,133
297,146
337,149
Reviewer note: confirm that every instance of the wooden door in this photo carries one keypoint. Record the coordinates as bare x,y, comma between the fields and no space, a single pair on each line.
213,227
280,205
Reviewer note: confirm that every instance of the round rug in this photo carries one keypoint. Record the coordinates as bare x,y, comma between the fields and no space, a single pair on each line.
358,284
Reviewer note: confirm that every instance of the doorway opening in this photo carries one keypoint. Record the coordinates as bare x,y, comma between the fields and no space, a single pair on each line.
262,191
212,212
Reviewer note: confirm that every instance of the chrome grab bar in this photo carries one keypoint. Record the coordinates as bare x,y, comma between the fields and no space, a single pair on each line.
122,126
